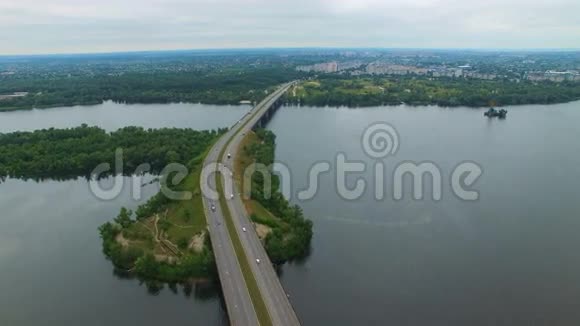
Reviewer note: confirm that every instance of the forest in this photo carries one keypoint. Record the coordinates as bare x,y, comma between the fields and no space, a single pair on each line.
213,87
69,153
340,90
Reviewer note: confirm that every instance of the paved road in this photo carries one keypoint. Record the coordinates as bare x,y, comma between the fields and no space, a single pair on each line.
236,295
238,302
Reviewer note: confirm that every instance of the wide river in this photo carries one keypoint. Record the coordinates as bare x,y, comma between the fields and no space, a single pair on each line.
509,258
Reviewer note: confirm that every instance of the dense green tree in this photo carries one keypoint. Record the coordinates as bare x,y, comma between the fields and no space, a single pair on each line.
291,238
69,153
344,90
226,86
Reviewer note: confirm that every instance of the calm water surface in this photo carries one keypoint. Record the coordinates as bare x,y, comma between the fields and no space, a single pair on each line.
510,258
112,116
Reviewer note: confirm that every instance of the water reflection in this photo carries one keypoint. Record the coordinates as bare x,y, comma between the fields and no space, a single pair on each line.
502,260
204,290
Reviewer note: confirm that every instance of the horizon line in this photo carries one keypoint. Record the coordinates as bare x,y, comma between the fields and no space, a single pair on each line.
225,49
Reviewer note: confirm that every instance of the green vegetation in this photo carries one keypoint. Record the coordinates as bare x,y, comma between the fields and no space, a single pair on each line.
230,76
166,240
338,90
68,153
287,234
226,86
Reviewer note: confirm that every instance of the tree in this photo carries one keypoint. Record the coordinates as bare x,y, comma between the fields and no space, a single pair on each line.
124,218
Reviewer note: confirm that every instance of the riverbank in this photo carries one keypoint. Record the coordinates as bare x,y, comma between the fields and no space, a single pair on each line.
285,232
417,91
153,87
51,106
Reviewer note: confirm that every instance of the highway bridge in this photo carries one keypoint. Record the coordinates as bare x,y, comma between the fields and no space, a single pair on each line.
252,291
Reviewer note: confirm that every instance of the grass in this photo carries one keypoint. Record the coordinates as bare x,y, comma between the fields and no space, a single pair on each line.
140,237
241,162
312,84
189,213
186,217
255,208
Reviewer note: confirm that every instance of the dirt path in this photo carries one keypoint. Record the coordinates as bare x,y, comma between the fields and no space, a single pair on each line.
164,242
182,226
197,242
121,240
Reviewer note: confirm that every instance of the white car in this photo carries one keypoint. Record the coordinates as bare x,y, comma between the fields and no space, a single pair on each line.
257,261
244,229
232,196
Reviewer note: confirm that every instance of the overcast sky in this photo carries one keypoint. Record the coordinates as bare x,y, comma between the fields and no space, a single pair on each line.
71,26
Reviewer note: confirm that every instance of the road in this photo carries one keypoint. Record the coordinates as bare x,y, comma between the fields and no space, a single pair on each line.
238,301
236,295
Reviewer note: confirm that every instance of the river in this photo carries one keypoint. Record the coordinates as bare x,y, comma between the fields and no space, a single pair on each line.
509,258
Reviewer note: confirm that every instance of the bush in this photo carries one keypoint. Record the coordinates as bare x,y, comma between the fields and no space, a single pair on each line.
182,243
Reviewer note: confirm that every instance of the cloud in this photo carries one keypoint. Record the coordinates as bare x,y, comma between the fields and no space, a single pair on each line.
37,26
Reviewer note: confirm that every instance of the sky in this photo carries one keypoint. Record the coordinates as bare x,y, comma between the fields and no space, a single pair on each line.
89,26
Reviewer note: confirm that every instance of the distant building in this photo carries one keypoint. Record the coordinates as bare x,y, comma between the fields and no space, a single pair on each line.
447,72
383,68
554,76
13,95
326,67
478,75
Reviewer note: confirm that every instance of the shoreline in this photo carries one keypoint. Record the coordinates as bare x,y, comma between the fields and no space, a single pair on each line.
54,106
292,104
